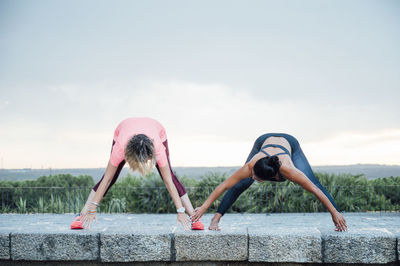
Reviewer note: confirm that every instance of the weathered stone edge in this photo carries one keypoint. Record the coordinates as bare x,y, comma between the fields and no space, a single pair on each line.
294,246
82,246
376,249
6,247
137,247
212,247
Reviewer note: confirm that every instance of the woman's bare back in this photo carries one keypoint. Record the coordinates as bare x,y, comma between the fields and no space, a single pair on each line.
276,140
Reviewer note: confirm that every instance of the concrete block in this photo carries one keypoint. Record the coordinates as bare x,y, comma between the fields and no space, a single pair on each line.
396,233
285,244
359,245
4,246
54,246
226,245
135,246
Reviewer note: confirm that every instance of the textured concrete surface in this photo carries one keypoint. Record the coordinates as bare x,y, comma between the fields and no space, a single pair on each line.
396,233
135,246
279,244
366,245
228,245
277,238
54,246
4,246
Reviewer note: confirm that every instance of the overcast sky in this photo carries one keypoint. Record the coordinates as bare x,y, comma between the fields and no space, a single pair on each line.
216,74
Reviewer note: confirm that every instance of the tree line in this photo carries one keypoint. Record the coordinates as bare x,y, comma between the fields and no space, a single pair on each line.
64,193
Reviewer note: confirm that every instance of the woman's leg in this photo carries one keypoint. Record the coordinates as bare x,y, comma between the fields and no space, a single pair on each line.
120,166
234,192
93,192
300,162
181,189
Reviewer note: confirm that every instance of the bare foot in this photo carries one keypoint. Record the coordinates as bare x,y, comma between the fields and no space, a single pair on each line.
214,222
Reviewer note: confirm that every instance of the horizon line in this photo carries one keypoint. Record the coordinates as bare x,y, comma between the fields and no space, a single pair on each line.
324,165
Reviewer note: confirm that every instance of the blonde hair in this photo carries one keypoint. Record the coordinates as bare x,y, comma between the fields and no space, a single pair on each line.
140,154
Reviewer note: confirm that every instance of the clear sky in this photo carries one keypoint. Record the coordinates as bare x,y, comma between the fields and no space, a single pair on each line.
216,74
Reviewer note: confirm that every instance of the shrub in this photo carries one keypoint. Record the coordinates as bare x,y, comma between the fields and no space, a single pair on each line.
148,194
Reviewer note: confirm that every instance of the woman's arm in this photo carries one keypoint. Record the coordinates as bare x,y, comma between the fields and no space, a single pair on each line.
167,178
105,183
243,172
297,176
90,213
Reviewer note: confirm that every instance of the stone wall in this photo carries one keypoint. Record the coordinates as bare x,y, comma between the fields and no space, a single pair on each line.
246,238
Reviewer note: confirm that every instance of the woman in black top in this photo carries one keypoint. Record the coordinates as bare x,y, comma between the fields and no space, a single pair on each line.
274,157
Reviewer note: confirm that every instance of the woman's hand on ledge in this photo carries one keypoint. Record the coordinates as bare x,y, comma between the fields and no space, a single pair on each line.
198,212
88,219
339,221
183,219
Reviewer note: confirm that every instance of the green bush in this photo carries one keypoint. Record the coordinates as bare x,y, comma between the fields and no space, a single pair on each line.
131,194
54,194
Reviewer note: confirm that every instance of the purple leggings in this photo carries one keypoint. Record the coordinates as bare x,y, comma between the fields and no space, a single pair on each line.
178,185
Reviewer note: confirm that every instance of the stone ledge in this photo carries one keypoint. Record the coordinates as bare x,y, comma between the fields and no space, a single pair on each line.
211,246
366,246
54,246
244,239
4,246
135,246
396,232
285,245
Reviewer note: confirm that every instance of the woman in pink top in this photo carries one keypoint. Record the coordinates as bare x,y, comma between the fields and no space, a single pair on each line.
142,143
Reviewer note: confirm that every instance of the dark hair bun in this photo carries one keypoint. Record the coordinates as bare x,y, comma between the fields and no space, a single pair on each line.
267,167
274,162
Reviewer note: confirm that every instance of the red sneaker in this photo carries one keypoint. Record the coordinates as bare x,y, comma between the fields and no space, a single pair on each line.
198,226
77,223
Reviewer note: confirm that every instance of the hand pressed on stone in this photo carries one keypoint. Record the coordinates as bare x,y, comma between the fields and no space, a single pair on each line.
184,220
88,219
339,221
